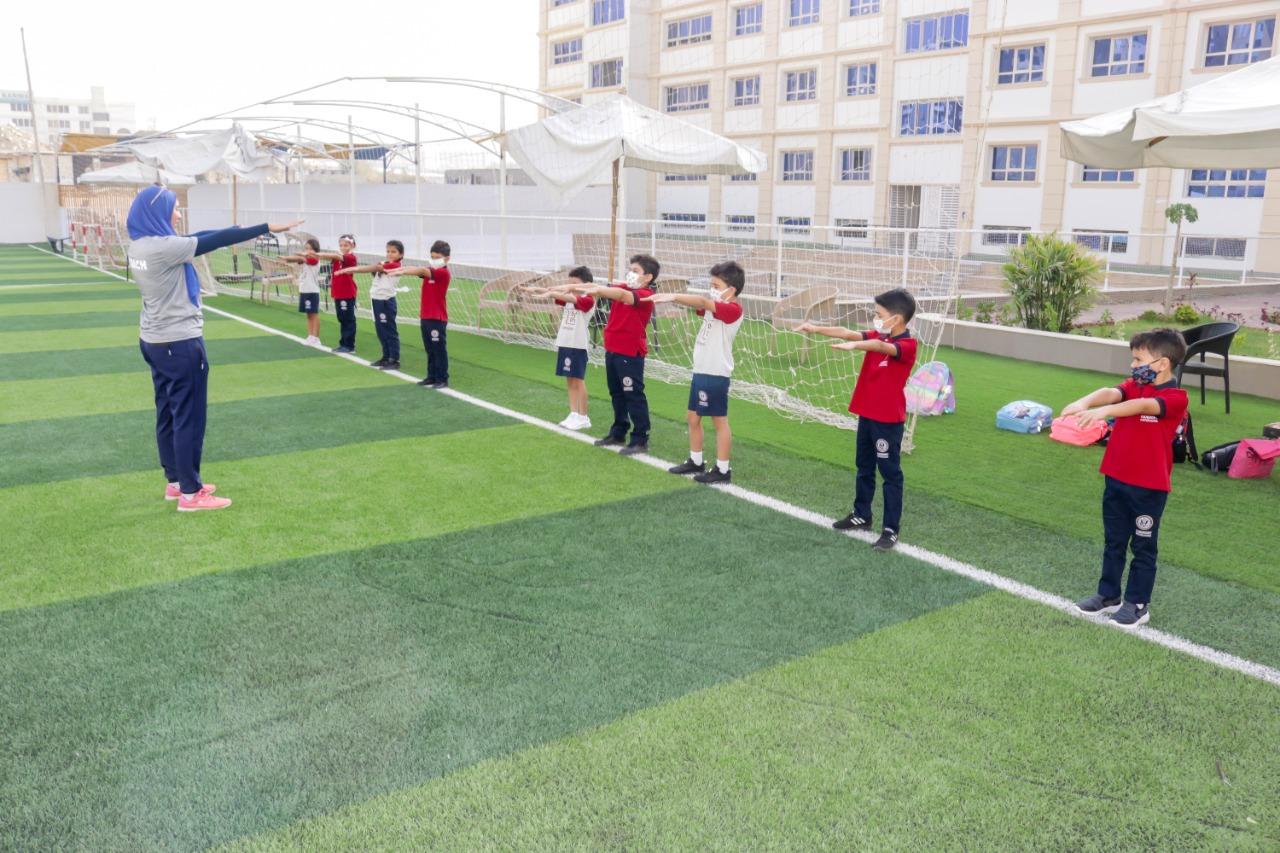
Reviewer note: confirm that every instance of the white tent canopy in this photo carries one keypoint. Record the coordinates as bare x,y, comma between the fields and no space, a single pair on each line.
231,150
1230,122
135,173
564,153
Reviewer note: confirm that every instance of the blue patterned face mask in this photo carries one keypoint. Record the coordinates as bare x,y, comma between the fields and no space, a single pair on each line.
1144,374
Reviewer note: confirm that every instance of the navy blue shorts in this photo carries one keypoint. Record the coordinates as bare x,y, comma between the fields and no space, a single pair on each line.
709,395
309,303
571,362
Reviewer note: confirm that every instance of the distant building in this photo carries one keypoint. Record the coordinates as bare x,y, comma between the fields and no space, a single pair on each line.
55,116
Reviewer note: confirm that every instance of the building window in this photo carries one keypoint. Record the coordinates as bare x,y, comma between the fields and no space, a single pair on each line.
795,225
84,111
802,12
1004,235
802,85
938,32
84,127
562,2
1239,42
1110,242
1115,56
855,164
689,31
606,74
741,223
1227,183
103,131
22,122
1013,162
676,178
1092,174
851,229
748,178
1021,65
564,52
607,11
101,117
797,165
746,91
58,108
684,221
20,107
683,99
860,79
1229,248
60,124
863,7
932,118
748,20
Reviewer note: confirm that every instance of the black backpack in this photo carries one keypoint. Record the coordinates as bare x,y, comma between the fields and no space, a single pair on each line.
1184,442
1218,459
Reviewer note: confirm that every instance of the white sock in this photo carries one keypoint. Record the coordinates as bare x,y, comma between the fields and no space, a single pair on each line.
695,456
723,465
173,485
188,497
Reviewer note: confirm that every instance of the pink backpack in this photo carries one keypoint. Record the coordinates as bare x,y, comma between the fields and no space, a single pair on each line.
1255,457
1066,430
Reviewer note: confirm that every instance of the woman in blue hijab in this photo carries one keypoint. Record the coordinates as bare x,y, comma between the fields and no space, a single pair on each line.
171,334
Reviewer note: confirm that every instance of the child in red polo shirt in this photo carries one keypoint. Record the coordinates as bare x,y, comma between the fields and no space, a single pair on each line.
880,402
342,288
1148,408
625,346
433,313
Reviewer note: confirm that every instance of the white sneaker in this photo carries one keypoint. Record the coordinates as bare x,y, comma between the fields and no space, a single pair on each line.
577,421
315,342
569,421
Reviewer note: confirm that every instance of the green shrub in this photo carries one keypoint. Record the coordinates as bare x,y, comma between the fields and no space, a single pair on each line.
1051,282
986,310
1185,315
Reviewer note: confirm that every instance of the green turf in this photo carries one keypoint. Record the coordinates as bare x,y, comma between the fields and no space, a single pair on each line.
105,336
81,306
67,297
25,322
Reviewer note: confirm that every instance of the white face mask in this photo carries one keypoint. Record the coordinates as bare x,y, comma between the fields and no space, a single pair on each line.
435,263
717,295
633,278
884,327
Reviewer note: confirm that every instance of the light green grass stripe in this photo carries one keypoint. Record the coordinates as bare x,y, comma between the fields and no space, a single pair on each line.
106,336
65,293
77,396
986,725
79,306
117,532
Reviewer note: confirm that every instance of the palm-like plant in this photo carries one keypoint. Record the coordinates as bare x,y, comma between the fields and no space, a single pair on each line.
1051,281
1177,214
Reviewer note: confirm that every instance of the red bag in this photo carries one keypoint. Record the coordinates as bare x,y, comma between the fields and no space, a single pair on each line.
1066,430
1255,457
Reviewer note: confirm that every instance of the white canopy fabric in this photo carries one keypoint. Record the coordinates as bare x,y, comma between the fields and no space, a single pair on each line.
135,173
1229,122
564,153
231,150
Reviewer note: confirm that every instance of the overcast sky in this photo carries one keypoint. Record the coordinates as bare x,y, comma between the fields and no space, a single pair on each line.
179,61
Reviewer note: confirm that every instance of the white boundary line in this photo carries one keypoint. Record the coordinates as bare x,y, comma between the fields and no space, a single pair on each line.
1208,654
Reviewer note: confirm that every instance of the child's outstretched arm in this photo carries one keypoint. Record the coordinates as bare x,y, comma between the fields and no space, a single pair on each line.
617,294
420,272
365,268
829,331
1108,403
886,347
329,256
688,300
294,259
1101,397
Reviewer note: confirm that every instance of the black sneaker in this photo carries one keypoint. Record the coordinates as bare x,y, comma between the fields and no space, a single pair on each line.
390,365
887,540
342,350
1131,615
1097,604
852,522
714,475
688,466
380,363
633,449
608,441
441,384
428,383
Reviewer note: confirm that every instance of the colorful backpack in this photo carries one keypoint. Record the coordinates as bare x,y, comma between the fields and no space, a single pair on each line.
931,390
1024,416
1067,431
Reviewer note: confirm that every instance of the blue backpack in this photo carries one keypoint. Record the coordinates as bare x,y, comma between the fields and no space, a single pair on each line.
1024,416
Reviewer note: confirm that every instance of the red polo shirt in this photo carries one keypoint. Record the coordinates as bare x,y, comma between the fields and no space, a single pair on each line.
343,285
625,332
1140,450
434,286
879,393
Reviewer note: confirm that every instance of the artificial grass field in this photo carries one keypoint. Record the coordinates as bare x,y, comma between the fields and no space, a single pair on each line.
425,625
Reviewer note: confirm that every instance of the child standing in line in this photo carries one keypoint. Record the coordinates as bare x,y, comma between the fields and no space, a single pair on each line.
433,314
343,290
880,402
712,366
1147,407
383,294
572,342
309,288
625,347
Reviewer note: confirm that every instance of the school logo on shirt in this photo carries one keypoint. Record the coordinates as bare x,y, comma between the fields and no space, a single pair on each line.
1144,523
1148,419
138,264
882,448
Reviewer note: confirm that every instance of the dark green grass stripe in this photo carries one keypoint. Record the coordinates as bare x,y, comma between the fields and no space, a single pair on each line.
118,443
126,359
70,320
200,711
70,295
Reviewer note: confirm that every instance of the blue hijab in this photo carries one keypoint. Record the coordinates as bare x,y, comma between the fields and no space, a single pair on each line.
151,215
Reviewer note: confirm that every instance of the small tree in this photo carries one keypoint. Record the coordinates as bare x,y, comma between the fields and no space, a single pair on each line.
1177,214
1051,281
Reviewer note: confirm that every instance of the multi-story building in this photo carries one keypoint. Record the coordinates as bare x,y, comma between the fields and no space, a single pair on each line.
924,112
57,116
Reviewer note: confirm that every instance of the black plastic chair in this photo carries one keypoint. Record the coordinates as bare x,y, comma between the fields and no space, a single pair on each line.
1209,339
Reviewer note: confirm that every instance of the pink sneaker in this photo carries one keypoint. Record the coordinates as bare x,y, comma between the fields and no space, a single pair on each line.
172,493
202,500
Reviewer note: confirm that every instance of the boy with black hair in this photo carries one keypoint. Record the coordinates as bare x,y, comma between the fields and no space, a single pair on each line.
625,347
383,294
721,315
572,341
880,402
1147,407
433,313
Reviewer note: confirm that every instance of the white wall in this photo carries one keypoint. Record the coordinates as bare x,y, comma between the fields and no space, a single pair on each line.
22,220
